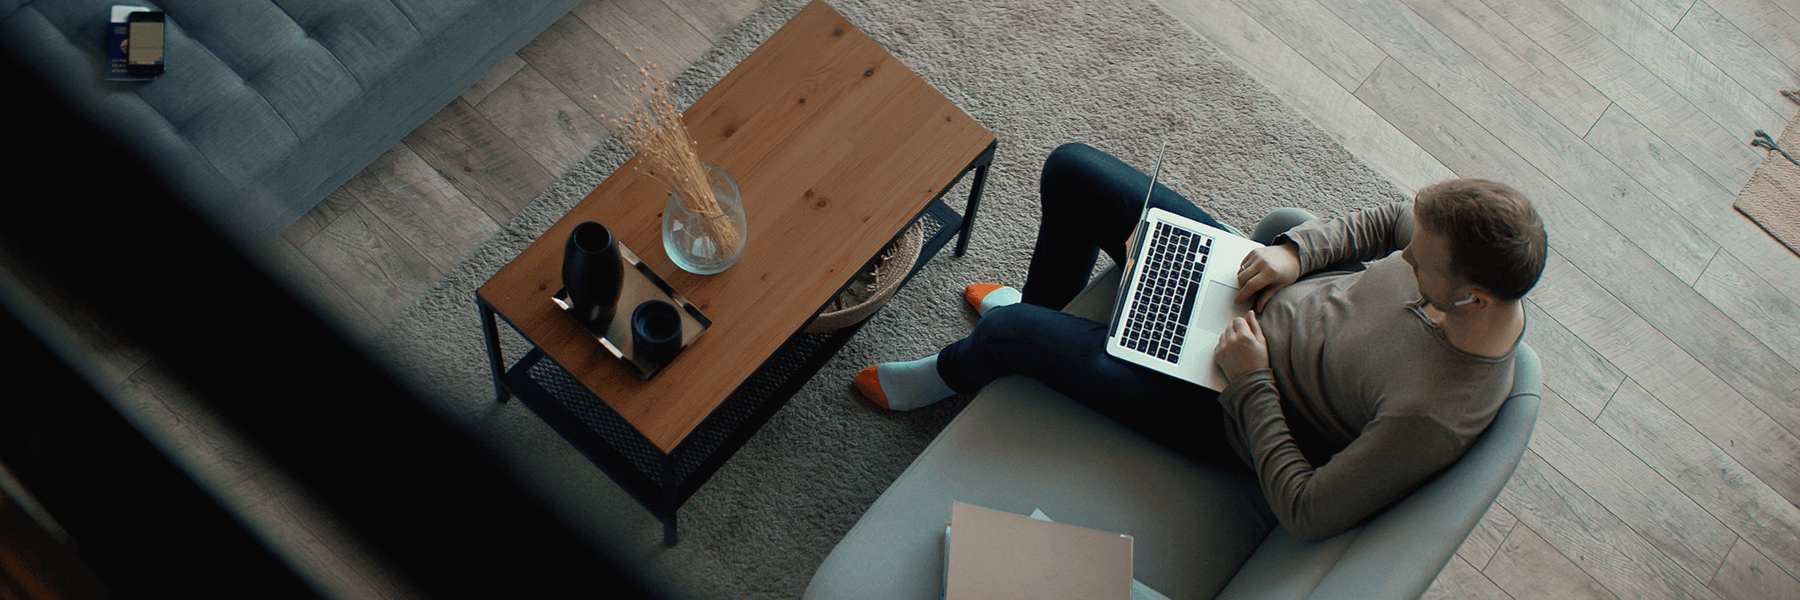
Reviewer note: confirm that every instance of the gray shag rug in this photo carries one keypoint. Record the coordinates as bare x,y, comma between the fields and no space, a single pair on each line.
1120,75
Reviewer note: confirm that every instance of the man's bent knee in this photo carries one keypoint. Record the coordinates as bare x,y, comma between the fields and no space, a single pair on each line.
1277,222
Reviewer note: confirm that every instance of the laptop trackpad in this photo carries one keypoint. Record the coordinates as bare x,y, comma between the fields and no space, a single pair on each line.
1216,309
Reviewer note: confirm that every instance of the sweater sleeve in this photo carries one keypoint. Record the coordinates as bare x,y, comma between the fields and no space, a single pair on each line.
1363,236
1392,457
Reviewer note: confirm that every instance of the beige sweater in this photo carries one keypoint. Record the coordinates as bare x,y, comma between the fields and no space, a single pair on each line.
1365,398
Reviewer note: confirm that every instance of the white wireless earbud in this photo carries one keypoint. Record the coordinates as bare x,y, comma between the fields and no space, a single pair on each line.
1464,301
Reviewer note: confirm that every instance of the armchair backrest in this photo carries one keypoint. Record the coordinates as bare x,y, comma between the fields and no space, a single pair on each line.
1400,552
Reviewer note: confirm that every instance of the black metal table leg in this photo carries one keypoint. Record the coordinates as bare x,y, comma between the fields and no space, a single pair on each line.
490,329
672,498
981,164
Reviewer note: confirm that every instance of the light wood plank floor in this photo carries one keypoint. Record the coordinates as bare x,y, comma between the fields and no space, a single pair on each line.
1665,460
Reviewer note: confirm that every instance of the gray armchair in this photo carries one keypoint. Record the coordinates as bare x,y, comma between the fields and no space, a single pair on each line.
1200,531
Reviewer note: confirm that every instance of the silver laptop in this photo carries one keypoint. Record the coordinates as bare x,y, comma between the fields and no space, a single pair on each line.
1176,295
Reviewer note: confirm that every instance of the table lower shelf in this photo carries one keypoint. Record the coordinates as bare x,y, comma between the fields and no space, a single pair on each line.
661,481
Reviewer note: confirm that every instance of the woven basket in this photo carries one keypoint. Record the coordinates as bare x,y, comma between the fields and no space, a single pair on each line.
871,290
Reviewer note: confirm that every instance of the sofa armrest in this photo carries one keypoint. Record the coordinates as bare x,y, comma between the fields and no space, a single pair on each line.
1401,551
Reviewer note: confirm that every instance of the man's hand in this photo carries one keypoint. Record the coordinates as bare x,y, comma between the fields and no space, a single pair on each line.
1242,348
1265,271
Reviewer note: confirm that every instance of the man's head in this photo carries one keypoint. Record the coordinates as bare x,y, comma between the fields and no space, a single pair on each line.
1493,240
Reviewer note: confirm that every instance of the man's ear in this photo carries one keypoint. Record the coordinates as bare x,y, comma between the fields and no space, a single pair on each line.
1476,299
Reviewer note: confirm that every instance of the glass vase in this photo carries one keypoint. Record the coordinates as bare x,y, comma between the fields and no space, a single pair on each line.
705,235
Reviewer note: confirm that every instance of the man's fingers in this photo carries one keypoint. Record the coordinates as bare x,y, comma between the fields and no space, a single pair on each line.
1255,326
1227,338
1246,272
1249,257
1247,288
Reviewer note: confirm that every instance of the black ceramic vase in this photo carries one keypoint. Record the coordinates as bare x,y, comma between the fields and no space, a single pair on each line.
592,273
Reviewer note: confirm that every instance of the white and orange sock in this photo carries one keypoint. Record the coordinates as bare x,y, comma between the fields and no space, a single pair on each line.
906,385
915,384
989,296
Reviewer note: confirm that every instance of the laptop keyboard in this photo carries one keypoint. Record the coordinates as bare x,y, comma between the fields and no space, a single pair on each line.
1156,322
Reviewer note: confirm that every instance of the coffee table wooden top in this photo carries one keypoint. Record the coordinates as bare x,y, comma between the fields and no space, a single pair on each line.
835,146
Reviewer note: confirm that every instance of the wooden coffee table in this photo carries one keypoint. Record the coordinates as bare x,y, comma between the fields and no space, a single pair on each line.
836,148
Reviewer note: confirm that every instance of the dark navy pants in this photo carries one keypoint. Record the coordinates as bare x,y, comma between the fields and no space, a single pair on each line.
1091,202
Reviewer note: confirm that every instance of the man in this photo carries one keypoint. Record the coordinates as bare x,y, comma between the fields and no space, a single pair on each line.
1350,384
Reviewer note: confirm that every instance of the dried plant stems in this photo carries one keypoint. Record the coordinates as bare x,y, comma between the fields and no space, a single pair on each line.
669,154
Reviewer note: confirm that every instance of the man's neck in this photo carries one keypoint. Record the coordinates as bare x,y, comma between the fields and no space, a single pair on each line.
1491,332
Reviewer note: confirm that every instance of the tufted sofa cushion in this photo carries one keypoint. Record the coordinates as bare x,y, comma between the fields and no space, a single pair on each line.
269,105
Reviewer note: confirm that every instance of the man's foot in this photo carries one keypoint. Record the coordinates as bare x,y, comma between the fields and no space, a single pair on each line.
904,385
989,296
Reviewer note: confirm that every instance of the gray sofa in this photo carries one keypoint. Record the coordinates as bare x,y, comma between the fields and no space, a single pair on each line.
1200,532
268,106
